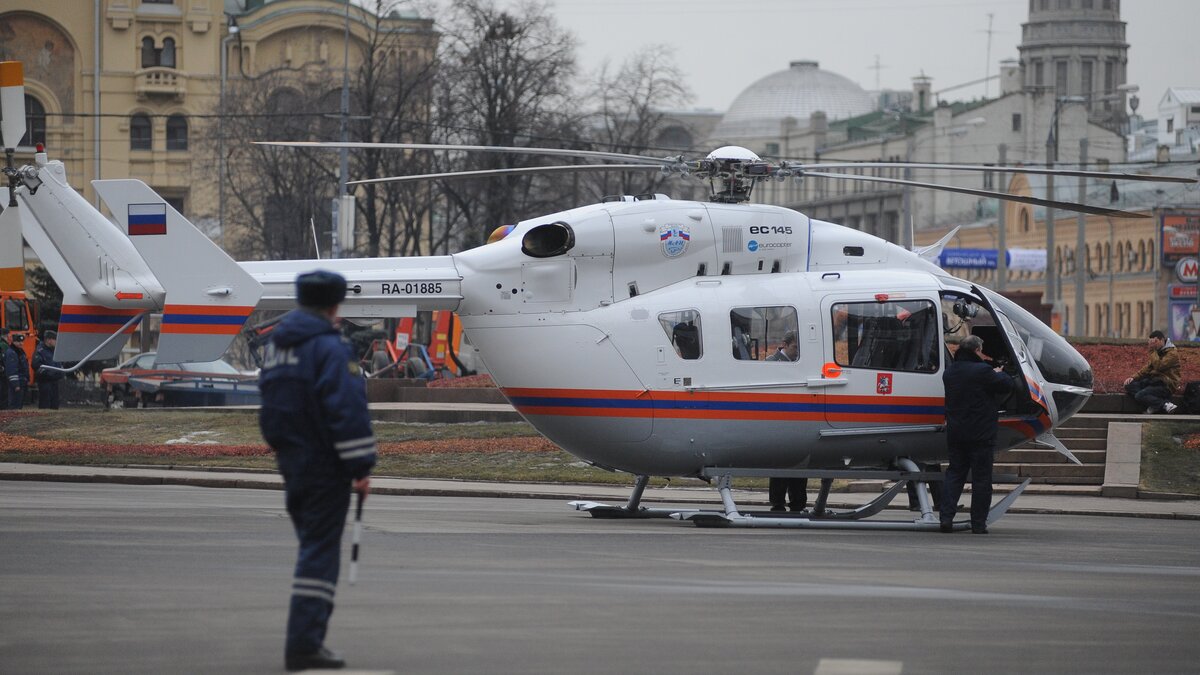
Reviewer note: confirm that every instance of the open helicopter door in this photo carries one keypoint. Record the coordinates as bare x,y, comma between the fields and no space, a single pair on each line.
889,352
1033,419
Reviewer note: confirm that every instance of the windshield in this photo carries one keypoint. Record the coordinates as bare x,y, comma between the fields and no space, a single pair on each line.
1058,361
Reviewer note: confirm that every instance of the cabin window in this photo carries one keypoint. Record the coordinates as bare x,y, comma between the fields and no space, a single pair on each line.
900,335
759,333
683,330
14,315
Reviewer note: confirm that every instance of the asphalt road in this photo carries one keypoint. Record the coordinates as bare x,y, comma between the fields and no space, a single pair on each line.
101,578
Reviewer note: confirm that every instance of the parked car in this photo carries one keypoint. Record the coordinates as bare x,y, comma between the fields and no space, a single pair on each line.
140,382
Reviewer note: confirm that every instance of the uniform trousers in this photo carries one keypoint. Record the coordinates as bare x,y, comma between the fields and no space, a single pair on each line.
975,458
318,514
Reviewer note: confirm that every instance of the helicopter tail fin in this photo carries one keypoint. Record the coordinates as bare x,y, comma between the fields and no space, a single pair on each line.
934,250
208,295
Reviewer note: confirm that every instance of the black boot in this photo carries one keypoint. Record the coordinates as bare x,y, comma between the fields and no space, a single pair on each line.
322,659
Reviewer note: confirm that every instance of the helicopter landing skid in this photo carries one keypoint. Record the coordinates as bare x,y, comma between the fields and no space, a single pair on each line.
631,509
820,518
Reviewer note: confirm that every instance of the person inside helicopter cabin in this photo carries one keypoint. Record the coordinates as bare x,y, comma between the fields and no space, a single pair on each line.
781,491
1156,382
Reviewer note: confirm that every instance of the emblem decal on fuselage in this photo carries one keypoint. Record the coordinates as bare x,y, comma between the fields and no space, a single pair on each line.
674,239
883,384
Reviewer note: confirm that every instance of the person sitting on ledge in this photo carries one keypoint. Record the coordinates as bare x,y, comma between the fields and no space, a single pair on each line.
1156,382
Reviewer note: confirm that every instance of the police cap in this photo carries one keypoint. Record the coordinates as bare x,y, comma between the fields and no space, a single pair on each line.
321,288
50,335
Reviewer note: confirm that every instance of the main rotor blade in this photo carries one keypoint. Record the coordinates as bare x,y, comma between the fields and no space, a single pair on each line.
1052,203
1001,169
500,172
558,152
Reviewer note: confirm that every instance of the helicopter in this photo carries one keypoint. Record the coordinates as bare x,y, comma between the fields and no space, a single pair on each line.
633,333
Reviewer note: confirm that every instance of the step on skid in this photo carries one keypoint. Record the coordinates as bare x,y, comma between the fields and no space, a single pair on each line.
818,517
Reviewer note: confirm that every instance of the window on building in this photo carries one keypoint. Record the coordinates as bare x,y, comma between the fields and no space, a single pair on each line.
1196,108
1170,124
772,149
1087,4
1085,78
1120,256
1024,220
177,132
683,330
175,202
140,133
895,335
153,56
1039,72
757,333
167,55
1106,4
989,179
1044,5
1060,78
35,123
1016,121
149,53
1110,77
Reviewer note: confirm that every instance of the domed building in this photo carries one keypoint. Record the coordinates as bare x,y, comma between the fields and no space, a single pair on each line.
789,97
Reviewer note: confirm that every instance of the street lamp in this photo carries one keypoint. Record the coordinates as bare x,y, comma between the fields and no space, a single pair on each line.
906,228
222,167
1051,157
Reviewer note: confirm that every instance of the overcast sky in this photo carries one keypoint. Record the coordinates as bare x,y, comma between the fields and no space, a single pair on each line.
726,45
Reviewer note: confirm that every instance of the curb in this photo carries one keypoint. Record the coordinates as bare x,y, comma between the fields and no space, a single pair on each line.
501,491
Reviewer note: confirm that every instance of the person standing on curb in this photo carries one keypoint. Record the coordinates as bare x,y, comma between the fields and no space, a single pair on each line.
972,420
47,380
314,416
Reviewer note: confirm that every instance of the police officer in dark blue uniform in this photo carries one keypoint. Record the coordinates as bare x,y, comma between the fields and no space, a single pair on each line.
314,416
47,380
972,419
16,370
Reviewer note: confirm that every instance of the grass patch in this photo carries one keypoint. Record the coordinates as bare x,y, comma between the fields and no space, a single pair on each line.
1171,457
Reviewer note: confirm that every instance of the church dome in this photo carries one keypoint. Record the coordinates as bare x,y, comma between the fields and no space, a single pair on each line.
796,92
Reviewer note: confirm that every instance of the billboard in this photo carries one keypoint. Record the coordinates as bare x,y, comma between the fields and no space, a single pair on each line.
1180,236
1030,259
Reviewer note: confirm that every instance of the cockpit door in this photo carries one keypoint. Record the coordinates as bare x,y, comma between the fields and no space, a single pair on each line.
1034,382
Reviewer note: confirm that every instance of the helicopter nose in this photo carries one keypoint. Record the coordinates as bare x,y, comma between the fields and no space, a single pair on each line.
1069,400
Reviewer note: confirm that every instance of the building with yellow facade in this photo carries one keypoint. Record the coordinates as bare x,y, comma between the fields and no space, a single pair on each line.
131,88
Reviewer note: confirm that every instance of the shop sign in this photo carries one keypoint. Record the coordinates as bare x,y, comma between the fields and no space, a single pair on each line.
1186,270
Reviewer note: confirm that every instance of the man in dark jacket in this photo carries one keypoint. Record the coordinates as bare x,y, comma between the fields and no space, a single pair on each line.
972,419
1156,382
47,380
782,490
16,369
314,416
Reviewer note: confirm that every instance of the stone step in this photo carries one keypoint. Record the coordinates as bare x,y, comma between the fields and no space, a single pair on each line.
1074,443
1081,432
1051,470
1044,456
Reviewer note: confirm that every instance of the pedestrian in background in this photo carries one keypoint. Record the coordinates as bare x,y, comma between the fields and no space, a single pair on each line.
972,420
47,380
1156,382
16,370
314,416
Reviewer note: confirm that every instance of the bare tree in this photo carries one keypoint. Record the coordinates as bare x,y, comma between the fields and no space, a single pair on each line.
273,192
391,96
505,80
627,113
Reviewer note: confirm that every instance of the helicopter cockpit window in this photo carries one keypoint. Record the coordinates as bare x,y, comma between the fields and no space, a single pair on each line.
683,330
895,335
758,333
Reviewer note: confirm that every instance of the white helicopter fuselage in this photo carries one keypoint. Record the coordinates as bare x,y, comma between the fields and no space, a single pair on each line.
573,315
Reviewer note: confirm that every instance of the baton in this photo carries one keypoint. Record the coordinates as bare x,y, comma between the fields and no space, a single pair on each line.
357,537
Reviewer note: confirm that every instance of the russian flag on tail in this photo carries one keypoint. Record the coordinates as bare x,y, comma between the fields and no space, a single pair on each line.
147,219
